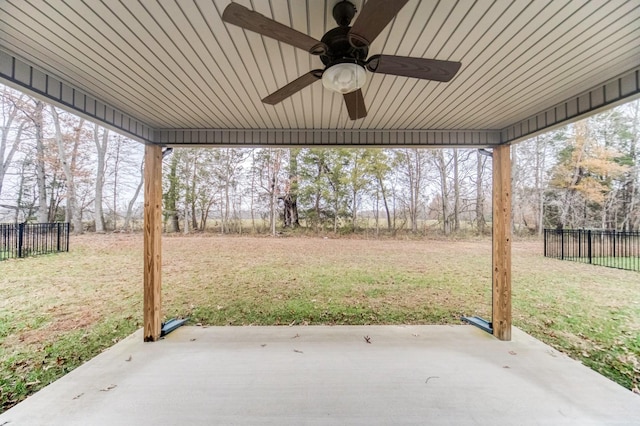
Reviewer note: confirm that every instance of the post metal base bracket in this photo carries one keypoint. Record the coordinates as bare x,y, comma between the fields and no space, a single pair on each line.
481,323
170,325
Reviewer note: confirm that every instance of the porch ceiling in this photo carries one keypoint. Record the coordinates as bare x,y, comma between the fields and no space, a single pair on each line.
171,72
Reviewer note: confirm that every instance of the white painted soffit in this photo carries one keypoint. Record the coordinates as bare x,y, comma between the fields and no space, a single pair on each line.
171,72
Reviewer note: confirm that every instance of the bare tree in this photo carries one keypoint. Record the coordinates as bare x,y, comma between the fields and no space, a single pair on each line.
66,161
101,151
442,167
38,122
480,198
9,137
132,201
290,193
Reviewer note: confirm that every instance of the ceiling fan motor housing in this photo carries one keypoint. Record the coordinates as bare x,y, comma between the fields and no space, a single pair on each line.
340,49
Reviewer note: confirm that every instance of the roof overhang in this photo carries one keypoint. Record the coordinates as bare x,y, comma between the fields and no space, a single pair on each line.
172,73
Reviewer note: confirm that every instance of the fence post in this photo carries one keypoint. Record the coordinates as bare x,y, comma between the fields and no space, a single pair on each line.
589,245
58,244
20,239
562,244
545,243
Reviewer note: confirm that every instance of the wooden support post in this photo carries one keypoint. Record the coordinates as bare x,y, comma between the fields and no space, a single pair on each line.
152,242
502,242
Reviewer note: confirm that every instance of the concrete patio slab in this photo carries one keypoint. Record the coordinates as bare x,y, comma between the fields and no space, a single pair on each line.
312,375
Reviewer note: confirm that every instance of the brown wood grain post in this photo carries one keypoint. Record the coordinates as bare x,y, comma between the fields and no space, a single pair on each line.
501,242
152,242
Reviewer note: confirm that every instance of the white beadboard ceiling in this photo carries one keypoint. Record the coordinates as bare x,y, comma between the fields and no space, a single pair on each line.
173,64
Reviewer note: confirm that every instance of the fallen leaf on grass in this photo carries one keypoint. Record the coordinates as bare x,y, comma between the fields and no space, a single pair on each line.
108,388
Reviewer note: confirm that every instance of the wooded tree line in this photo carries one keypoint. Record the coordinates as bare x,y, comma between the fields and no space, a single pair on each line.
56,166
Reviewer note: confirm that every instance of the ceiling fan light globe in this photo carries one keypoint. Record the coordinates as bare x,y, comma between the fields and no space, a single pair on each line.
344,77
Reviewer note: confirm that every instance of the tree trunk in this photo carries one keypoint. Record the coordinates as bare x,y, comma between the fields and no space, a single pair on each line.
192,204
132,201
116,169
253,192
7,156
480,220
442,169
291,201
412,177
101,151
540,170
456,192
72,207
171,198
43,208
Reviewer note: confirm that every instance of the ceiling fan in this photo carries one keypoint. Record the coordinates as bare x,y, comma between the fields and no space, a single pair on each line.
343,50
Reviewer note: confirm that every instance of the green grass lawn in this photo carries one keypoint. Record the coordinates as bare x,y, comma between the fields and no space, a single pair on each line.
628,263
57,311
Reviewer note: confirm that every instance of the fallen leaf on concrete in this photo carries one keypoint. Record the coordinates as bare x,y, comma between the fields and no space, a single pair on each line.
431,377
192,340
505,366
108,388
296,336
263,345
513,353
78,396
367,339
297,351
129,359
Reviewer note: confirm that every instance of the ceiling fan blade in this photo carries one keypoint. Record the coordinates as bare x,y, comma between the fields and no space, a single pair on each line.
355,104
374,16
248,19
296,85
428,69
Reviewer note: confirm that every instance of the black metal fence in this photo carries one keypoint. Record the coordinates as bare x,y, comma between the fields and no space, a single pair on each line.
30,239
615,249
